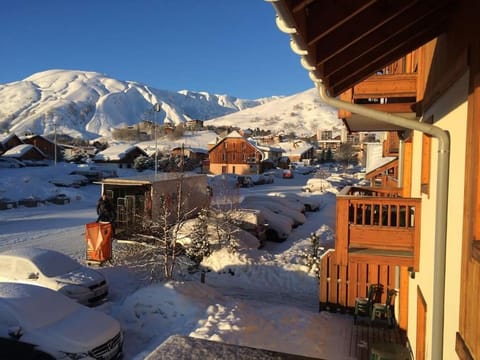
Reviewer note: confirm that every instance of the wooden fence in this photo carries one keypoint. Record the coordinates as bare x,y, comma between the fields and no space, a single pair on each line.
340,285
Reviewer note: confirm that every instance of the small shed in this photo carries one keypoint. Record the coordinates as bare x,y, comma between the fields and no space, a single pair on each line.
152,196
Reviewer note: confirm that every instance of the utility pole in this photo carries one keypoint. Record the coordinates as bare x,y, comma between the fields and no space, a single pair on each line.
156,108
55,139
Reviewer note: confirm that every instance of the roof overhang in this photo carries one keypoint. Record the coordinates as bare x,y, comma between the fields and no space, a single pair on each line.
343,42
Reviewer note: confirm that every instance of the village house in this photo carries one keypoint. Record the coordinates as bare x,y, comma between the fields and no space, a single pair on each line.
192,153
121,156
411,69
47,147
194,124
9,141
297,150
235,155
25,152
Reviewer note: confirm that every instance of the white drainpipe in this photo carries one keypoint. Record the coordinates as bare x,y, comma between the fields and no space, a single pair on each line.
286,24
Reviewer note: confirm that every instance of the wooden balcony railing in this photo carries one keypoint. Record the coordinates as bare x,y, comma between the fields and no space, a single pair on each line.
377,226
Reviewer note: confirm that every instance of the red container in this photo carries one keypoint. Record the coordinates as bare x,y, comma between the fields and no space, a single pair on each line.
99,241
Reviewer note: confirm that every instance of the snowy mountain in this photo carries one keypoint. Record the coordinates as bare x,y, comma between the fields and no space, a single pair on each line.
89,104
303,113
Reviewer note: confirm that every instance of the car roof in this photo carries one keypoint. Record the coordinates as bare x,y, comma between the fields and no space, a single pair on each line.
26,300
30,253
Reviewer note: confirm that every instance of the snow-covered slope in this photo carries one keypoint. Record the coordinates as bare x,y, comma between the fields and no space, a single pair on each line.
88,104
303,113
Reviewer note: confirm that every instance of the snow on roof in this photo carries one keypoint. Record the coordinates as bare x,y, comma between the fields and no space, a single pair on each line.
377,163
296,147
36,136
20,150
6,139
234,134
115,152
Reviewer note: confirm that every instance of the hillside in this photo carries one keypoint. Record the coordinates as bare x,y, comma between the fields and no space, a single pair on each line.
302,113
87,105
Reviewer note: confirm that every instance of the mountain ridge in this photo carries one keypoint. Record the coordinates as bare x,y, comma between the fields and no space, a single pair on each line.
89,104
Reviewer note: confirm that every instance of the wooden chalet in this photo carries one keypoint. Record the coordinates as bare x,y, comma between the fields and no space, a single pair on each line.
235,155
9,141
45,145
411,68
190,152
25,152
121,156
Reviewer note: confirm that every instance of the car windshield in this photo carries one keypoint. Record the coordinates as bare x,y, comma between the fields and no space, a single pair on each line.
54,264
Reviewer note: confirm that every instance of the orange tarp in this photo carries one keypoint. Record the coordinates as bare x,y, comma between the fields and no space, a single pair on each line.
99,241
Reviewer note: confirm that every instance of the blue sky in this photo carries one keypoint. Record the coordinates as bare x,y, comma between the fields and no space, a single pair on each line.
219,46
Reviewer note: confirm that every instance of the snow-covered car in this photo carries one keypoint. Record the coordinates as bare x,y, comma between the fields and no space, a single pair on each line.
250,220
30,201
316,184
71,180
279,227
308,202
279,206
59,199
242,238
258,179
54,270
7,203
39,323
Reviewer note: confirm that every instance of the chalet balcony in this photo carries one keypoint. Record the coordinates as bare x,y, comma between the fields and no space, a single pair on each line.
377,226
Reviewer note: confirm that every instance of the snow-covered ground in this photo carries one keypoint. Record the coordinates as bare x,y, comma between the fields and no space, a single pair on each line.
259,298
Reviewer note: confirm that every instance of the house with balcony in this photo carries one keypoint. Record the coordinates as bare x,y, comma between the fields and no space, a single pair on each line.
235,154
411,69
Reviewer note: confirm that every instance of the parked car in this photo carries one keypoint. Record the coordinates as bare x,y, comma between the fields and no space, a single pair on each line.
71,180
6,203
287,174
279,227
39,323
54,270
31,201
251,220
59,199
279,206
308,202
242,238
316,184
244,181
258,179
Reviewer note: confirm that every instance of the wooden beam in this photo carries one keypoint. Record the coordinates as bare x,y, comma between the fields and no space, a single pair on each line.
377,59
393,108
384,86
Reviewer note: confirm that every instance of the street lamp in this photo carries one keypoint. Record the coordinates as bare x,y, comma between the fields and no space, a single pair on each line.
157,108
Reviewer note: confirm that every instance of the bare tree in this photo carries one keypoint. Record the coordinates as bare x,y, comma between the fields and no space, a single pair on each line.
154,240
346,154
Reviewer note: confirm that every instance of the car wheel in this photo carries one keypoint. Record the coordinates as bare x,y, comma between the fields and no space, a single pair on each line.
308,207
272,235
308,190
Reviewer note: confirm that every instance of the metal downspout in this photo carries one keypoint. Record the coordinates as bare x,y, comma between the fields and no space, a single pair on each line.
286,24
